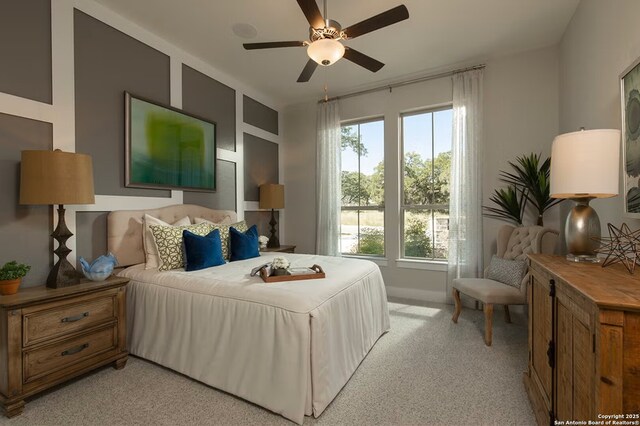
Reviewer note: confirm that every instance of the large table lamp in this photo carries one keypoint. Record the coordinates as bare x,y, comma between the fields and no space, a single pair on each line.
57,177
272,197
584,166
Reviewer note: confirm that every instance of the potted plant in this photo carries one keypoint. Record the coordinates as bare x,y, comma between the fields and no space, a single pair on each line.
528,185
11,276
280,266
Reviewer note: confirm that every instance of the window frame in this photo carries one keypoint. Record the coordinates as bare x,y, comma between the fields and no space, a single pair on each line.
404,207
380,208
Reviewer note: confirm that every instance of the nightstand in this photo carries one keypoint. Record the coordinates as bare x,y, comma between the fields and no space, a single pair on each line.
50,335
281,249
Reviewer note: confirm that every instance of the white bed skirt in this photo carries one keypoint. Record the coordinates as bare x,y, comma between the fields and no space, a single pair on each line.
290,361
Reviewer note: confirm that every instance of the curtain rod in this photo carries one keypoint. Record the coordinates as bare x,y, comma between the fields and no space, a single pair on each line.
405,83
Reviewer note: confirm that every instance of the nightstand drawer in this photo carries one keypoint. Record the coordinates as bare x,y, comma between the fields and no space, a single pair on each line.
58,321
51,358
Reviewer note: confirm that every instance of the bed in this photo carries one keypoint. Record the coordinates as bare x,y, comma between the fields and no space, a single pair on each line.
289,347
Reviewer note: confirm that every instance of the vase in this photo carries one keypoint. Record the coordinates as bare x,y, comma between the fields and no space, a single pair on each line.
279,272
8,287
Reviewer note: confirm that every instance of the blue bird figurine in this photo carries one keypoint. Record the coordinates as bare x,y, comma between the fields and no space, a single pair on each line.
100,269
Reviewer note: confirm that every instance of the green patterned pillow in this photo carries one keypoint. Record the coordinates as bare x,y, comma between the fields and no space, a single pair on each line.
224,234
169,242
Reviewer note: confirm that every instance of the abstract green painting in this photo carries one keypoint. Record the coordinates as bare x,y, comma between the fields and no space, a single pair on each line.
167,148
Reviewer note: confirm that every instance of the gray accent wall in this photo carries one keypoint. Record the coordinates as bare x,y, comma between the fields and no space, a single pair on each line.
259,115
25,230
225,196
108,63
261,220
25,49
213,101
91,235
260,165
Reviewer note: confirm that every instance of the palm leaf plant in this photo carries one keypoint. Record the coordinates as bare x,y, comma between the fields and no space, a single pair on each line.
511,202
534,178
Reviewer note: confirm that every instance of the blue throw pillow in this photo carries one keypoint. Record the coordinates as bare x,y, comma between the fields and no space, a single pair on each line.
202,252
244,245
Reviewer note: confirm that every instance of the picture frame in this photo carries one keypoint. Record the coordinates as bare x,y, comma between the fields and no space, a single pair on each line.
166,148
630,112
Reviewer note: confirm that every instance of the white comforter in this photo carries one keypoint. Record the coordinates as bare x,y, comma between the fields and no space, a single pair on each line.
289,347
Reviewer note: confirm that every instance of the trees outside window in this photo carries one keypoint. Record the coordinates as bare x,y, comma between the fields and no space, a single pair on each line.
362,215
426,170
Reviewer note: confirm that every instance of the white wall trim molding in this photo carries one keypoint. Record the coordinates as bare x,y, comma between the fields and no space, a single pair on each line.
422,264
260,133
239,156
417,294
118,202
226,155
25,108
63,94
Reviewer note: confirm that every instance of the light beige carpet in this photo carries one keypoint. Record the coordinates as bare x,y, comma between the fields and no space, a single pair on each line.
425,371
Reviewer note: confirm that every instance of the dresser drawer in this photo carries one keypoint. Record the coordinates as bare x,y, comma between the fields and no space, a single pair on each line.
51,358
52,322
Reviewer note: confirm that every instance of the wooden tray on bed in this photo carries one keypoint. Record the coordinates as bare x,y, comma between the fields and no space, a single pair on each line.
319,273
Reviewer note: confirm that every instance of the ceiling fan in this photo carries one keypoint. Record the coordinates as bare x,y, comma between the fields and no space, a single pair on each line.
325,47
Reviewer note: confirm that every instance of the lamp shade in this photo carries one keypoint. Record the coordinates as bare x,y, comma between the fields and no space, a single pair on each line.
585,164
325,51
56,177
271,196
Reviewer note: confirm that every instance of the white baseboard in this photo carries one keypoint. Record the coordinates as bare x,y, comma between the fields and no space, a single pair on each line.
417,294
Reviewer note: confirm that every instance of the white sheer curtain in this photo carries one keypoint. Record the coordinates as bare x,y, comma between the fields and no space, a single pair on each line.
328,179
465,205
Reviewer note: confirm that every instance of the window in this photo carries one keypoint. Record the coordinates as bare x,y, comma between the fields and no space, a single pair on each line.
426,168
362,212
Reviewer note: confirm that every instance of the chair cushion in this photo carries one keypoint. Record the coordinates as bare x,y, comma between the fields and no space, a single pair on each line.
490,291
509,272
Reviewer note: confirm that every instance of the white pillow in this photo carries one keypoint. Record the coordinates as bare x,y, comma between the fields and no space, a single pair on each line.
151,256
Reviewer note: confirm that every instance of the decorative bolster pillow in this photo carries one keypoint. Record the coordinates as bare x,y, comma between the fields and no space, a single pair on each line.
509,272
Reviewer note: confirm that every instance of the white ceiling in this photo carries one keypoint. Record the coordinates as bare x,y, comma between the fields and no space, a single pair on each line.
437,35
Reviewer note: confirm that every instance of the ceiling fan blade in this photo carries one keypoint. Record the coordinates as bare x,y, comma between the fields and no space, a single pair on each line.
363,60
273,44
308,70
384,19
311,11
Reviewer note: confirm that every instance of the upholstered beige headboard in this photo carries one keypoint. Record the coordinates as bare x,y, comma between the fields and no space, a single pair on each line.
124,227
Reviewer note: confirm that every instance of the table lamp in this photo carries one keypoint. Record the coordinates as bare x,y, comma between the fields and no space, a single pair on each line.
584,166
57,177
272,197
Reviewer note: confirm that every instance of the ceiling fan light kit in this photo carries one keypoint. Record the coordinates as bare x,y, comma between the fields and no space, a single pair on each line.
325,51
325,46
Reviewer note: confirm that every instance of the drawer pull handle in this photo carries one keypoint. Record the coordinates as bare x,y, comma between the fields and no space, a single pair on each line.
75,350
75,317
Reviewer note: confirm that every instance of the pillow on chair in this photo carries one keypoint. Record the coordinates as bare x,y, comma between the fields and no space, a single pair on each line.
509,272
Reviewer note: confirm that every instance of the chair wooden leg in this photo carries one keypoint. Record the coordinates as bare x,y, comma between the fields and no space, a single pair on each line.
488,323
507,315
458,303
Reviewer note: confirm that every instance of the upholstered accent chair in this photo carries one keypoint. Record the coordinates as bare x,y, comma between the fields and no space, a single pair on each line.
514,243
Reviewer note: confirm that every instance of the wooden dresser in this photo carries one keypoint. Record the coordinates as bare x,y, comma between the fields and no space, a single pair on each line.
51,335
584,341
